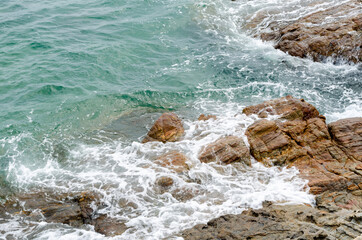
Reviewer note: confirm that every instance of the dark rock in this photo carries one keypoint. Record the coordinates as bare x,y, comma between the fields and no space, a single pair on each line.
167,128
226,150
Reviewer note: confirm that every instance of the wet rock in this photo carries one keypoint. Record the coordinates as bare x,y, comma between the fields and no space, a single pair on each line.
348,134
174,160
226,150
288,108
164,182
109,227
167,128
281,222
300,138
74,210
335,32
204,117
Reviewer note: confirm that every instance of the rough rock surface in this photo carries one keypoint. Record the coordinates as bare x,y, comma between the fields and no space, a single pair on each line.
347,133
274,222
335,32
173,160
167,128
301,138
226,150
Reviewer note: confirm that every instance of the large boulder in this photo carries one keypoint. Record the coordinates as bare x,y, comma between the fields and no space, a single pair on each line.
288,108
226,150
108,226
300,138
335,32
167,128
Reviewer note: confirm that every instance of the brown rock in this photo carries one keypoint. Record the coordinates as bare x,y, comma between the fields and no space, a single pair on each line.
348,134
204,117
174,160
164,182
109,227
167,128
335,32
226,150
288,107
303,141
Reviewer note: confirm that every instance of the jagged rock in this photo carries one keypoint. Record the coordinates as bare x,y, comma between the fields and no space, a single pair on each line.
300,138
335,32
348,134
226,150
174,160
204,117
167,128
109,227
287,107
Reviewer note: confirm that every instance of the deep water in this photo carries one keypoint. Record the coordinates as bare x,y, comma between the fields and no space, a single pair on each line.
82,81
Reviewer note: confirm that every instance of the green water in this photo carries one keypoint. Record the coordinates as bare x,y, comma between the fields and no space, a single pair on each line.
96,71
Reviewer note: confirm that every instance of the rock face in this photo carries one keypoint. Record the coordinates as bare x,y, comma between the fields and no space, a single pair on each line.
335,32
304,141
347,133
226,150
174,160
168,128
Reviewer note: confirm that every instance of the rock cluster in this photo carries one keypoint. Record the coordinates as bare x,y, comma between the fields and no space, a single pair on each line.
328,156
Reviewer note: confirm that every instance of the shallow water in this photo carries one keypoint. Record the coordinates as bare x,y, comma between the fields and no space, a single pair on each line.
82,81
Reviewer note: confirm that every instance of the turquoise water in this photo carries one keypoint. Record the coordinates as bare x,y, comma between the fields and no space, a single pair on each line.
81,81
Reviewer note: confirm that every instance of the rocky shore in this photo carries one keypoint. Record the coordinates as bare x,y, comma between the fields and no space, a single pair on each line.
334,33
288,132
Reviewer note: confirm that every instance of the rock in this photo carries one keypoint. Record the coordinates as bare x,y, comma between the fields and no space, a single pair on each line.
300,138
164,182
109,227
282,222
204,117
226,150
167,128
287,107
335,32
174,160
348,134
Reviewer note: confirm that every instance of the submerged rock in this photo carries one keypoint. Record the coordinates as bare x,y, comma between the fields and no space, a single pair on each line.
204,117
167,128
301,138
174,160
226,150
334,32
109,227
